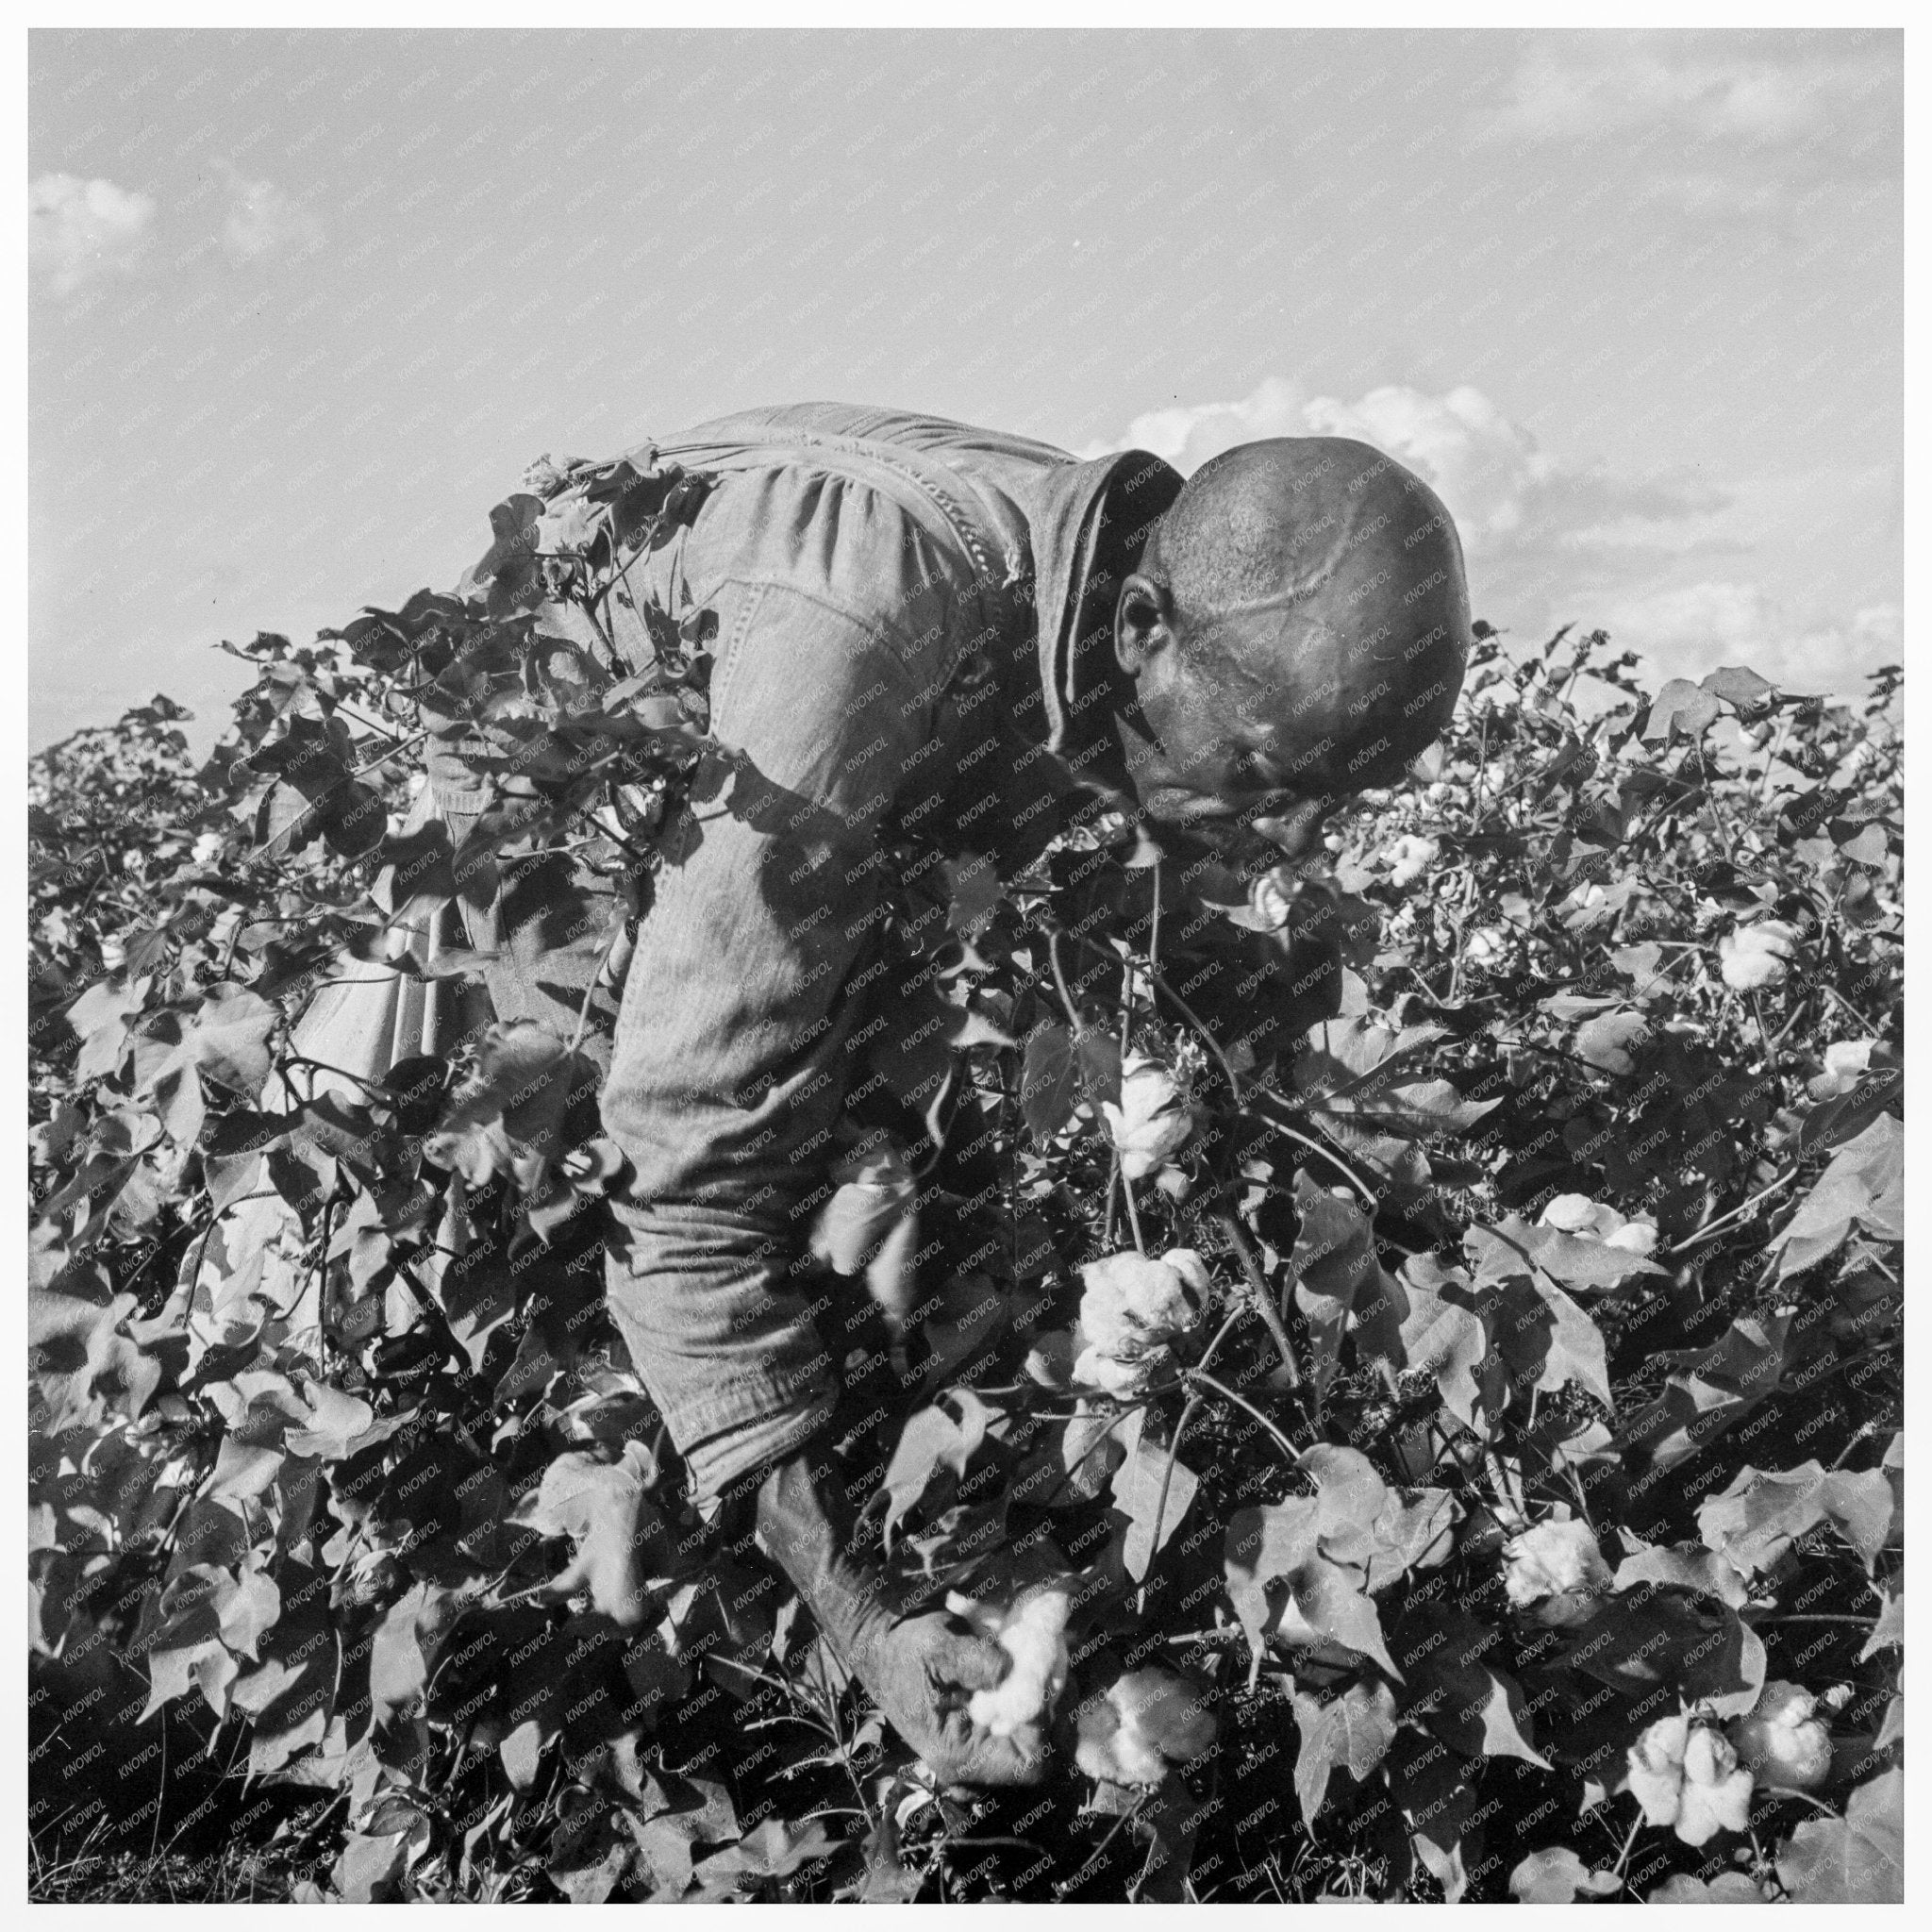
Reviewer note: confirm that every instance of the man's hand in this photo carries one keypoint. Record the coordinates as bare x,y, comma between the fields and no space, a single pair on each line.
923,1670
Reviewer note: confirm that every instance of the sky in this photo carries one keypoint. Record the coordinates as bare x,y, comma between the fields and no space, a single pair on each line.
303,305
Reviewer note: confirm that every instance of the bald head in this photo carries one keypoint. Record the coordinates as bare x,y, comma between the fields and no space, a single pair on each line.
1318,585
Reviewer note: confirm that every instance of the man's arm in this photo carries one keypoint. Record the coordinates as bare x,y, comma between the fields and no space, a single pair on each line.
729,1068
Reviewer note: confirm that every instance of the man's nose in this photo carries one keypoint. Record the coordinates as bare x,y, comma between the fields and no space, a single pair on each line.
1291,825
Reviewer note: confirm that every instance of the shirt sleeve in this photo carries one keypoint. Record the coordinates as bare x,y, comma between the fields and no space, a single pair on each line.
730,1067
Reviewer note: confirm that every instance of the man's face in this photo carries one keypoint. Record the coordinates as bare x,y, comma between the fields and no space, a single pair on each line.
1217,762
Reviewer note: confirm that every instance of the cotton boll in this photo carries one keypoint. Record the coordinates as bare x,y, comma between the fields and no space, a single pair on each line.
1410,857
1093,1368
1757,955
1578,1215
1571,1214
1597,1221
1845,1059
1655,1769
1687,1777
1109,1750
1482,947
1846,1062
1717,1788
1636,1237
1033,1634
1150,1123
1188,1265
1147,1722
1133,1301
1167,1711
1133,1307
1554,1570
1785,1740
1270,897
1745,969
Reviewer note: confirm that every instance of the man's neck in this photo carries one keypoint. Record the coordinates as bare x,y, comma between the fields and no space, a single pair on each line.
1098,693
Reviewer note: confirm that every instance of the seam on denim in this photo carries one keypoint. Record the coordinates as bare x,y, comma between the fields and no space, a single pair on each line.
874,627
753,1396
812,1420
986,553
727,672
733,652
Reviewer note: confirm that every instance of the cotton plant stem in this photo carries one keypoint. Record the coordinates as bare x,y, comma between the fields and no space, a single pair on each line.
1230,1224
1507,1497
395,748
1629,1842
303,1059
1228,1394
1221,1335
1059,978
1717,812
617,927
1133,1212
1825,986
1187,1013
1771,756
1461,935
1743,1208
1173,1451
1327,1154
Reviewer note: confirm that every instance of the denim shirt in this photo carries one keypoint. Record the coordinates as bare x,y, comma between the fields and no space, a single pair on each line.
898,601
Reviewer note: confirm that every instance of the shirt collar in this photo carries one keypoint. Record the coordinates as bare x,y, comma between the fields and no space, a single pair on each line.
1088,522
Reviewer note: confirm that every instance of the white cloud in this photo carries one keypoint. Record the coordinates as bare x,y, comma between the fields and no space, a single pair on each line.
1693,628
79,231
262,222
1508,496
1754,88
1188,434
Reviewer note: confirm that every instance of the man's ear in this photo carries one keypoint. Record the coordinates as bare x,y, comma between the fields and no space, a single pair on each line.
1143,624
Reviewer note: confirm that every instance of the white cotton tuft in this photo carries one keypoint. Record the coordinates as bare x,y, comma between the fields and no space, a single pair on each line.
1034,1634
